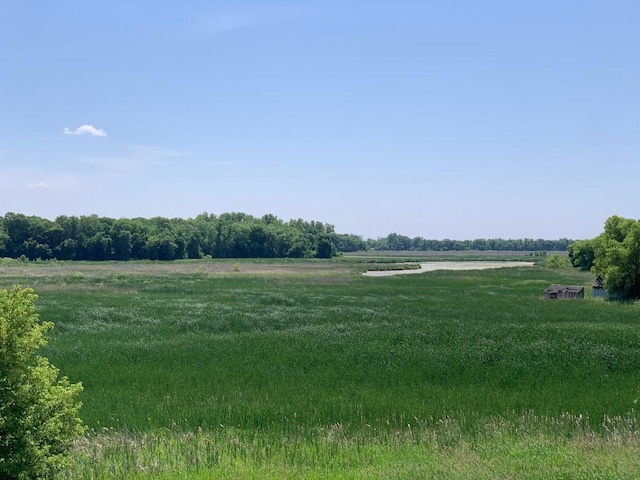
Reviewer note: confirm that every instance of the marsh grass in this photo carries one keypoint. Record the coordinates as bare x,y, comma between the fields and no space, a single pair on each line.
384,266
323,373
529,447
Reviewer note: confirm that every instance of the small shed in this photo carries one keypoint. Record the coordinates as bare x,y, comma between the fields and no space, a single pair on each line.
598,288
563,292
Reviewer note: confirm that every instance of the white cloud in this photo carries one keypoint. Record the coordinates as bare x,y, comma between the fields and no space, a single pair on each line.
38,185
86,130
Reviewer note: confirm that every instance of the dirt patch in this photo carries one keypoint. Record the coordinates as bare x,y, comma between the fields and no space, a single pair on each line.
432,266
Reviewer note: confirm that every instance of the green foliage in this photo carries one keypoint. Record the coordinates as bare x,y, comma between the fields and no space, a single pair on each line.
230,235
556,261
582,254
617,257
350,243
395,242
4,239
38,412
325,248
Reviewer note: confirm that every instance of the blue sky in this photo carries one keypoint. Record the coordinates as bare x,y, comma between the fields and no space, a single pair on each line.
443,119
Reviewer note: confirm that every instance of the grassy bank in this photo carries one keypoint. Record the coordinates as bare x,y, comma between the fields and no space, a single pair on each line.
310,369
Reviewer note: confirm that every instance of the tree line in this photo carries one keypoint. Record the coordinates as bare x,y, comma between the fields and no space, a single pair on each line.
396,242
228,235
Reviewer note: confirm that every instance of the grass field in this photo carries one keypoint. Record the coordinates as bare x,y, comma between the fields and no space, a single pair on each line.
307,369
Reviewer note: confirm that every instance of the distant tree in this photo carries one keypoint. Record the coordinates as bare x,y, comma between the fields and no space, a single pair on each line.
398,242
479,244
193,247
34,250
349,243
4,242
180,251
38,412
299,247
99,247
121,241
69,226
160,248
66,250
17,227
270,219
325,247
167,249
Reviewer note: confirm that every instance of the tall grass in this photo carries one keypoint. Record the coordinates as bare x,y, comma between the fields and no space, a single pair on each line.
297,373
530,447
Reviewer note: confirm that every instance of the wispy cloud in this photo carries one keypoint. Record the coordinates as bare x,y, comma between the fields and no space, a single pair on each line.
136,159
222,163
228,20
18,179
86,130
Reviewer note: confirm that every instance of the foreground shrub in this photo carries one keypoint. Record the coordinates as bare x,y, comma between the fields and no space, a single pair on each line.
38,412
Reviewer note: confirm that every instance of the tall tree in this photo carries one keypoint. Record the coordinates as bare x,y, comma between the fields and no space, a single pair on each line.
617,257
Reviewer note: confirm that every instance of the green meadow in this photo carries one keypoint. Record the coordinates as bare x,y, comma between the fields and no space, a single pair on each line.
307,369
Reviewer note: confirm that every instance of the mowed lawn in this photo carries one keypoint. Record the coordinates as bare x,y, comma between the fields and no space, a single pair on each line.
309,370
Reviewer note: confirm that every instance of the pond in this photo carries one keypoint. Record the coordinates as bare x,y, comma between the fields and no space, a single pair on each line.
432,266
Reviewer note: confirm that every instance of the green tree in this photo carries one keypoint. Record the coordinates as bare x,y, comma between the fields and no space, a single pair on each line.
582,254
349,243
38,412
299,247
617,257
17,226
193,247
4,242
121,242
325,248
99,247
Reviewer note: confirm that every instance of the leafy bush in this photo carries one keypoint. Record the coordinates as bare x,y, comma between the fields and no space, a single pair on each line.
38,412
556,261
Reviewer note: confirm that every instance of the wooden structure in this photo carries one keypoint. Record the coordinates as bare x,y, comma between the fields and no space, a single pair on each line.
564,292
598,288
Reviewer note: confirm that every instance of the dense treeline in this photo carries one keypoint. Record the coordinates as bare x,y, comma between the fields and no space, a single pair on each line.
229,235
397,242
